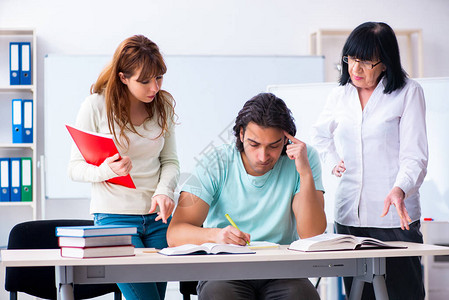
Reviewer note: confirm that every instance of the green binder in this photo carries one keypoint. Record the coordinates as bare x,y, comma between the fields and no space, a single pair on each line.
27,179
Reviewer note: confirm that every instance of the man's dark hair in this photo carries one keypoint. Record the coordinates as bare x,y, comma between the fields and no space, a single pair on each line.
372,40
265,110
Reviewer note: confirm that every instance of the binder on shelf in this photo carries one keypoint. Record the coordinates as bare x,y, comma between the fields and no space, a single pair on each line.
27,186
15,179
4,180
17,126
27,121
14,63
25,63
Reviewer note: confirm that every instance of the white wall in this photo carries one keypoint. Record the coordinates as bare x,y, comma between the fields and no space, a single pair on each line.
231,27
228,27
209,27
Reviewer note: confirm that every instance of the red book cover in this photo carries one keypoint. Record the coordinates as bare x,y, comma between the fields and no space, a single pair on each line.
95,149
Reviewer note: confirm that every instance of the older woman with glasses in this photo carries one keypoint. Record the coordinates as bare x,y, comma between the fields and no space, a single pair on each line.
373,131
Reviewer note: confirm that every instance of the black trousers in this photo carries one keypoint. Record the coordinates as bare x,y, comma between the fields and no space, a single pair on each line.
403,274
270,289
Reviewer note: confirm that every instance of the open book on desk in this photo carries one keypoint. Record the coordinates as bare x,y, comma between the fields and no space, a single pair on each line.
95,148
207,248
334,241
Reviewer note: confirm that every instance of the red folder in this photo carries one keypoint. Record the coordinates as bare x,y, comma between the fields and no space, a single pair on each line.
95,149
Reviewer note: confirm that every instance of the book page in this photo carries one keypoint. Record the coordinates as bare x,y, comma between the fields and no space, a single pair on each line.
329,242
184,249
367,242
326,241
206,248
227,248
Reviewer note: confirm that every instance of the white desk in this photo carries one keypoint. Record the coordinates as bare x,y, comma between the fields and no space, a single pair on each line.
364,265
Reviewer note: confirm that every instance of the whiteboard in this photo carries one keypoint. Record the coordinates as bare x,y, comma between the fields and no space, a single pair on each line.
209,92
307,100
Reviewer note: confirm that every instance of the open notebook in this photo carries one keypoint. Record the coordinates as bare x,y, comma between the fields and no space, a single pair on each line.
207,248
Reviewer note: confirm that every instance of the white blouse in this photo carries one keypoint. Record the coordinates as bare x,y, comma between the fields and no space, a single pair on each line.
384,145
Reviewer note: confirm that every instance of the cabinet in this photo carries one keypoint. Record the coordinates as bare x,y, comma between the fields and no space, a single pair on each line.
9,92
436,268
329,43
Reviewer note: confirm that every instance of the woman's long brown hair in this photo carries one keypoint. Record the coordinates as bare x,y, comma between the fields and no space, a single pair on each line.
133,54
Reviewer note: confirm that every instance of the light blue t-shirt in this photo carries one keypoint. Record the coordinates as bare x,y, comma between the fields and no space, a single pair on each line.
259,205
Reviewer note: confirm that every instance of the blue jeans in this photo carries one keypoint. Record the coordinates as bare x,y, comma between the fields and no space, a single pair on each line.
150,234
403,274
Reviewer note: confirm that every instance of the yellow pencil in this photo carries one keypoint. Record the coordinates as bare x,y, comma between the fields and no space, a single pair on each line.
233,224
151,250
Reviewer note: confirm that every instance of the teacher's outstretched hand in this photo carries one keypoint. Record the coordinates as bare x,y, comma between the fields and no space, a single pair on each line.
396,197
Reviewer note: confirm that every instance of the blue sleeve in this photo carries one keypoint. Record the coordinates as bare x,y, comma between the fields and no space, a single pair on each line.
315,165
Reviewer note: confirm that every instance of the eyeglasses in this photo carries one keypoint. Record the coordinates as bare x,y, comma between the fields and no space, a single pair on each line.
367,65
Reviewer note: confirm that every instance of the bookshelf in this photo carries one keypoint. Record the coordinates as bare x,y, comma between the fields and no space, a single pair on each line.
9,92
329,43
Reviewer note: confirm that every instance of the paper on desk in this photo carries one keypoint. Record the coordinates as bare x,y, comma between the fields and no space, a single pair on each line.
254,245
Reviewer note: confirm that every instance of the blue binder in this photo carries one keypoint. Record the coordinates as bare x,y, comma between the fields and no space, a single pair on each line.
15,176
25,63
14,63
4,180
17,125
27,121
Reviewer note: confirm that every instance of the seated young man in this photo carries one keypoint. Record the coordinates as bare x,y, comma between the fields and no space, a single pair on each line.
270,187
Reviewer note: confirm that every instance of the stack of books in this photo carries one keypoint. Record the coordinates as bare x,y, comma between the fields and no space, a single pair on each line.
96,241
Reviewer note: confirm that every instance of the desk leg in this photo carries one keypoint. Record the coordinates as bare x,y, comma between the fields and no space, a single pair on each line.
380,288
66,292
64,282
375,274
356,289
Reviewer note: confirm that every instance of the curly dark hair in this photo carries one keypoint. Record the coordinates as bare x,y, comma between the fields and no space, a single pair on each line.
266,110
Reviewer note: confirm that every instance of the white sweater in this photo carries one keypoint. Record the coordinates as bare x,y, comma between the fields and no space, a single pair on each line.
155,166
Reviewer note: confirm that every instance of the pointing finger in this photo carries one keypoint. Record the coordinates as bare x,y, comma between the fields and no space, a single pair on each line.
162,213
386,209
153,206
291,138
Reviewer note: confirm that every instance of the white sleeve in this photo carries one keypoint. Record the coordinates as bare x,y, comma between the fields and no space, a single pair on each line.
79,169
169,165
323,132
413,149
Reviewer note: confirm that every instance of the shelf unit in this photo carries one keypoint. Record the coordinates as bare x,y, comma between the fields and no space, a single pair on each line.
9,92
329,43
436,268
